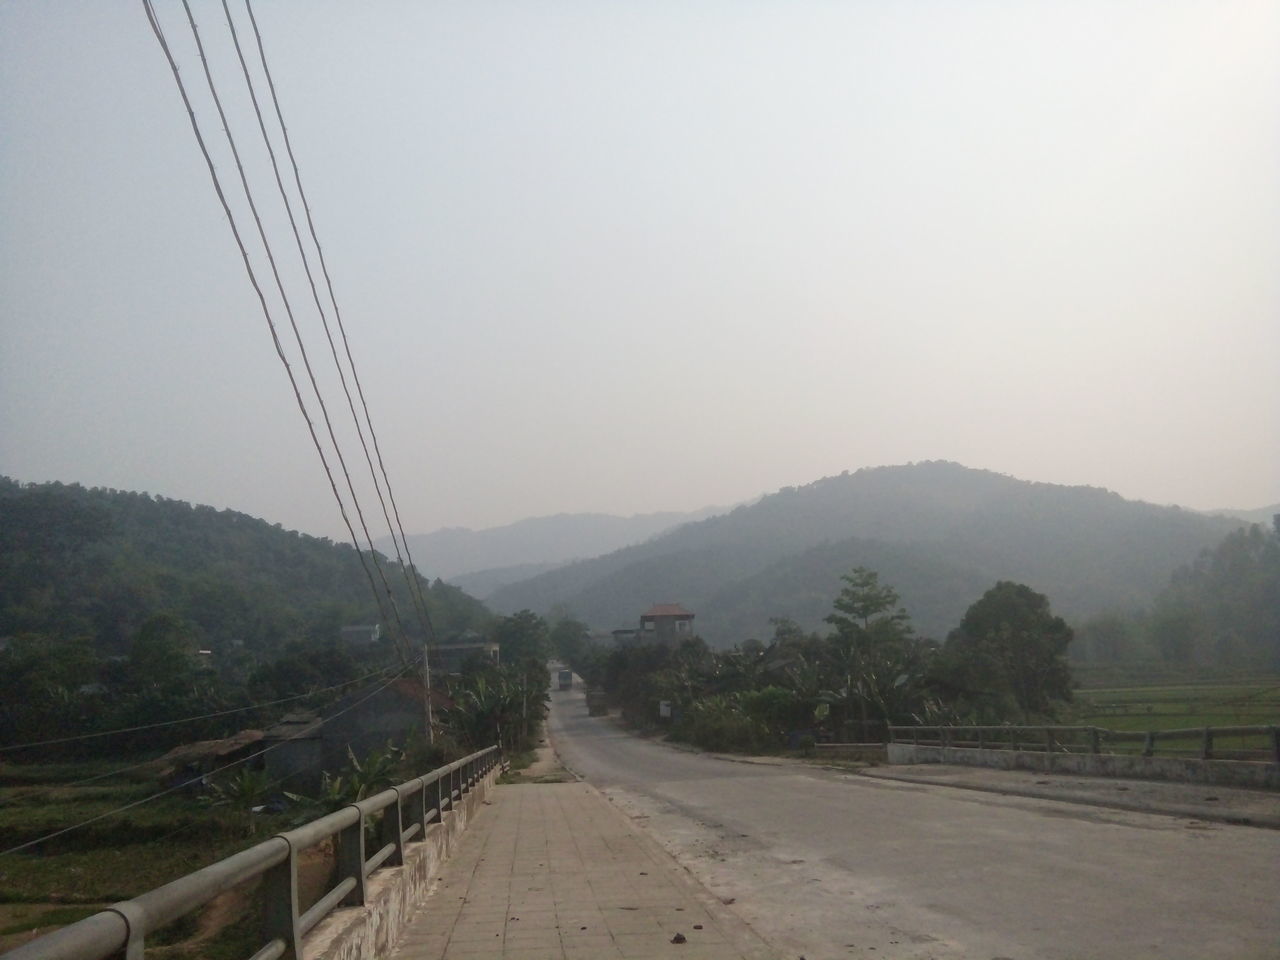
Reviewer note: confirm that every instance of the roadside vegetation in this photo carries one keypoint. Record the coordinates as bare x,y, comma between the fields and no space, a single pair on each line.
1005,661
130,851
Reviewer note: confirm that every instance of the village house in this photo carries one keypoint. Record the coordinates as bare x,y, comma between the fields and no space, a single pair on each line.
190,764
364,721
449,658
666,623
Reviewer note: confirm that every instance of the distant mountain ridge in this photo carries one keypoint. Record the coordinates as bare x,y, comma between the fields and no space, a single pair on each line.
1262,515
938,532
451,553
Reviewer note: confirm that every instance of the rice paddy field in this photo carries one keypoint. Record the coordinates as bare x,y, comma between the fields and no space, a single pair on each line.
114,858
1183,706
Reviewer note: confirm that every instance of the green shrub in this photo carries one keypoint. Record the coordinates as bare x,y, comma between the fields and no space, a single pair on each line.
720,723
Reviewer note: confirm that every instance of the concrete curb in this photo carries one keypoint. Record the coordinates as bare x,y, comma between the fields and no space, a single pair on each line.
1186,812
1168,809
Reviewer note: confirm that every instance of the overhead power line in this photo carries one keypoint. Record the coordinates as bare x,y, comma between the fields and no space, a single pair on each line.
412,570
172,723
288,309
186,783
158,30
337,313
410,573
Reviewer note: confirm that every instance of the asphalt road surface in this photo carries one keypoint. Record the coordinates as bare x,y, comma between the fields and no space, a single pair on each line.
828,864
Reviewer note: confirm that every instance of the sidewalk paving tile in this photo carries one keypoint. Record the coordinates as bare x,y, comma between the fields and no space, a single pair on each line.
553,872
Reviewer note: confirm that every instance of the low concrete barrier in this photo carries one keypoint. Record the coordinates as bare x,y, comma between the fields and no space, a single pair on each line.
370,931
1233,773
369,898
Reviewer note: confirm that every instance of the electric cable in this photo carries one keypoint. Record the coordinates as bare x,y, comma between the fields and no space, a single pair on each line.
288,309
158,30
410,575
203,716
186,783
306,207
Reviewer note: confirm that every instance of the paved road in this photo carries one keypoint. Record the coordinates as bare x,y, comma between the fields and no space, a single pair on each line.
826,864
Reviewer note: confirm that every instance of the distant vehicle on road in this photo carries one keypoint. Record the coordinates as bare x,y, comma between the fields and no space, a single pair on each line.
566,679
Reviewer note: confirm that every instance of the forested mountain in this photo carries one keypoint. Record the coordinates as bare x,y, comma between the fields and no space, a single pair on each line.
96,563
1224,607
481,583
538,542
938,532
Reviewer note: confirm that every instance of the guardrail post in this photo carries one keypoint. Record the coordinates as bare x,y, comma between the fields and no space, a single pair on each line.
1095,741
1049,743
1275,744
135,920
1206,747
351,858
392,831
419,811
982,738
280,905
944,737
1149,744
439,788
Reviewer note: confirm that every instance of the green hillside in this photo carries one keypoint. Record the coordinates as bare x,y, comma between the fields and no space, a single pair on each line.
96,563
940,532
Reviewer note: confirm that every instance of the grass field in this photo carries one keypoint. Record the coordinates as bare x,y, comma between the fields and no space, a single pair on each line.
1179,705
1183,706
114,858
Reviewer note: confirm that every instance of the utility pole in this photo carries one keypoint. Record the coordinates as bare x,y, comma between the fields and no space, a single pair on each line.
426,693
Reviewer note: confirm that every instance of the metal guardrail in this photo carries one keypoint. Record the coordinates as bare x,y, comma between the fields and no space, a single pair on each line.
1069,739
407,810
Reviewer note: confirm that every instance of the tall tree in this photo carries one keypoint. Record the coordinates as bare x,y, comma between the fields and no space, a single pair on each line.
873,655
522,636
1009,652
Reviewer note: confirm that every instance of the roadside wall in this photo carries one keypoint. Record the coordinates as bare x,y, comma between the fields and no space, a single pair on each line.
1230,773
393,894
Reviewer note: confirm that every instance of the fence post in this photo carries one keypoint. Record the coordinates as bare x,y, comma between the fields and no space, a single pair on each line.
1149,744
420,810
280,905
982,738
351,858
392,831
1206,748
1048,741
1275,744
1095,741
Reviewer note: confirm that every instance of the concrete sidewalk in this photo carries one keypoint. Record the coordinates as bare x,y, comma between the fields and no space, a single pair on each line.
553,870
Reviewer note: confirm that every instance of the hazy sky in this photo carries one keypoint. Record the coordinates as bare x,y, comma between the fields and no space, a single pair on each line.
640,256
